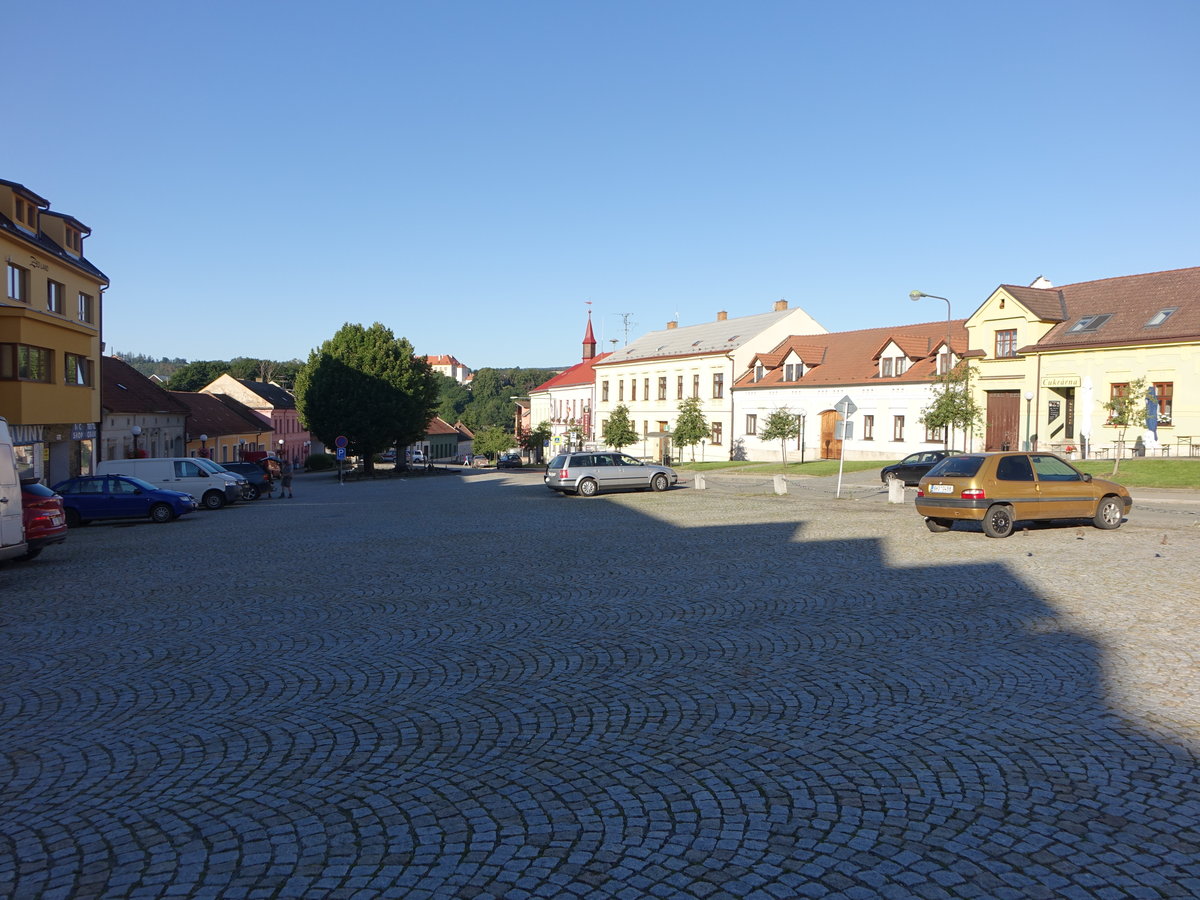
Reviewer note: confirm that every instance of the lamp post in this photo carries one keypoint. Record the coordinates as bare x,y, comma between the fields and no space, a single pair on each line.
281,448
915,296
136,431
1028,406
204,445
802,415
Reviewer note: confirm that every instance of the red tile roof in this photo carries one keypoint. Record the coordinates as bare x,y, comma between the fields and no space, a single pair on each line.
123,389
578,374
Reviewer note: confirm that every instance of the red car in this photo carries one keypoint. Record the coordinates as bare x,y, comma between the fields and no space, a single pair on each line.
45,519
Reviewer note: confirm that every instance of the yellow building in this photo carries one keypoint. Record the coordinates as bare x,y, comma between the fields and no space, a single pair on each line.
50,315
1047,359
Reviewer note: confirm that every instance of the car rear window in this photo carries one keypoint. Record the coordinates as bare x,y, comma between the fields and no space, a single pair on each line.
956,467
558,462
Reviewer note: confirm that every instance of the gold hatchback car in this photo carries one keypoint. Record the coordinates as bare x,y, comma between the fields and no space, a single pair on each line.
1000,489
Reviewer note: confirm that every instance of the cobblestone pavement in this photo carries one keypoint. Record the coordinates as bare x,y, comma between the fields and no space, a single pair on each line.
466,686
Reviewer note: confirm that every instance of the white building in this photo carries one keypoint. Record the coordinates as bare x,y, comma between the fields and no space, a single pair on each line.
450,367
654,373
888,373
568,400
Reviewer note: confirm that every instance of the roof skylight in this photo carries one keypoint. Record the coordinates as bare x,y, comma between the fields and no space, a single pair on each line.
1089,324
1161,316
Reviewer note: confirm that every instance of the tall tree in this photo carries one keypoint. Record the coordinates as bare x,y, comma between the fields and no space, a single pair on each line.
690,425
368,385
1127,409
618,431
781,426
492,441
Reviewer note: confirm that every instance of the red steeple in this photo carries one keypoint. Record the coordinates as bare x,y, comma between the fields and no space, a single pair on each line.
589,340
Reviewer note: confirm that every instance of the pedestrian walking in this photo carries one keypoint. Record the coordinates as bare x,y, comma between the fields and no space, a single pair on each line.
285,480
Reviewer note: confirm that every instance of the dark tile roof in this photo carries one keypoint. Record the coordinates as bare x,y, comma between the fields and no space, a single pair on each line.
41,241
1131,302
123,389
218,414
277,397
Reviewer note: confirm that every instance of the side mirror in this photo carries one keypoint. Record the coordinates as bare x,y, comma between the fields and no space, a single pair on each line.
1087,477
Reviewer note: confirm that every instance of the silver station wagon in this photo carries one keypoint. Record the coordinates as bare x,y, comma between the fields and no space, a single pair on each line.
588,473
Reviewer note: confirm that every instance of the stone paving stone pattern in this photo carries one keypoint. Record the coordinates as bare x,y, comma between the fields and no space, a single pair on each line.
467,686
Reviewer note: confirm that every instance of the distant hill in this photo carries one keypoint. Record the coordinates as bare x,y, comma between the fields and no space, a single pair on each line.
164,368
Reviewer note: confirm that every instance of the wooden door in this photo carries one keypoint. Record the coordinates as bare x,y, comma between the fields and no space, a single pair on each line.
1003,420
831,447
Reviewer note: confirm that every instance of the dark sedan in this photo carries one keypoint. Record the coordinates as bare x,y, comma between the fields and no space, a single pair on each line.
913,467
258,480
120,497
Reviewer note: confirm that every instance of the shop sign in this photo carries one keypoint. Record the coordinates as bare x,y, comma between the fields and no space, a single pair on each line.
1061,381
83,431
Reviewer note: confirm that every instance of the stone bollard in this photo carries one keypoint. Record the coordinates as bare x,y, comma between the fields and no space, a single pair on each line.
699,482
895,490
780,484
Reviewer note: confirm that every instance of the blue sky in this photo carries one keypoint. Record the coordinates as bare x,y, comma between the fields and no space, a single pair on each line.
471,173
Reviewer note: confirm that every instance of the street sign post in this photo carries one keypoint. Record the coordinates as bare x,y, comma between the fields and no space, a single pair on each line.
340,442
846,407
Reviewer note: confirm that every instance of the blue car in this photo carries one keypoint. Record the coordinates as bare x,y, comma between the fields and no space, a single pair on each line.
120,497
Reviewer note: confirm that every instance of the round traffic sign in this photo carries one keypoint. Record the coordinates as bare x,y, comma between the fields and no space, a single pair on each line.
340,441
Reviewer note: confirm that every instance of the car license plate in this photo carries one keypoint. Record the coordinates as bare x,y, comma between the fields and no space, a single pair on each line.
941,489
56,519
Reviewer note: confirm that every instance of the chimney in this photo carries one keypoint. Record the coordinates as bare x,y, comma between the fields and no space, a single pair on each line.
780,305
671,325
722,316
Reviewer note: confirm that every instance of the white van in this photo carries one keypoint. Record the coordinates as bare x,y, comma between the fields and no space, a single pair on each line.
202,478
12,523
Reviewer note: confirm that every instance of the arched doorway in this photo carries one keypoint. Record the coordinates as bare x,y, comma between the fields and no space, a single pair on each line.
831,447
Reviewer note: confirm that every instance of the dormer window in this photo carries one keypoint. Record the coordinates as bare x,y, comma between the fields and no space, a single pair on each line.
26,214
74,241
1161,316
945,362
901,365
885,367
758,372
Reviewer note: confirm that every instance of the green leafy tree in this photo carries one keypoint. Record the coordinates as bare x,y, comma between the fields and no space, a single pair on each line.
492,441
781,426
453,398
618,430
1127,409
492,391
368,385
690,425
953,406
196,375
533,441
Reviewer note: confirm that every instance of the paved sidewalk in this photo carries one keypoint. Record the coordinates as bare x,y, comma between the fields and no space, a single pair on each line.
467,686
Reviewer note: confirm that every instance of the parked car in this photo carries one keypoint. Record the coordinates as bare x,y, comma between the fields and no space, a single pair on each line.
91,497
1000,489
258,482
45,517
591,472
509,461
388,456
913,467
191,474
12,527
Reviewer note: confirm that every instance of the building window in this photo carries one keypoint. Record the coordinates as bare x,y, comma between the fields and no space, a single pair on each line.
901,365
1115,393
1161,316
74,240
662,387
26,213
604,392
885,364
944,363
55,297
751,424
898,428
679,387
758,372
632,390
21,362
87,308
646,389
716,433
935,434
695,385
1006,343
78,370
645,428
718,385
868,428
18,283
620,391
1163,391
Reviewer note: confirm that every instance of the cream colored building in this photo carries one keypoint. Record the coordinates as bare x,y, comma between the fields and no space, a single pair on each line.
1047,358
50,314
653,374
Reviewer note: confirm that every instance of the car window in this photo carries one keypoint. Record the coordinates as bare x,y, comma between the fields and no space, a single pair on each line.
36,489
558,462
121,486
91,486
144,485
629,460
911,458
1014,468
957,467
1051,468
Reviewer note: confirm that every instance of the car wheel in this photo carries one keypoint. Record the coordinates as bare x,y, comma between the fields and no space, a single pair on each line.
1108,514
937,526
659,482
73,519
161,512
588,487
251,492
214,500
998,522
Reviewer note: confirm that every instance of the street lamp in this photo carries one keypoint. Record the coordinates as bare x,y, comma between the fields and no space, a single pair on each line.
136,431
204,445
915,296
1028,406
281,448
